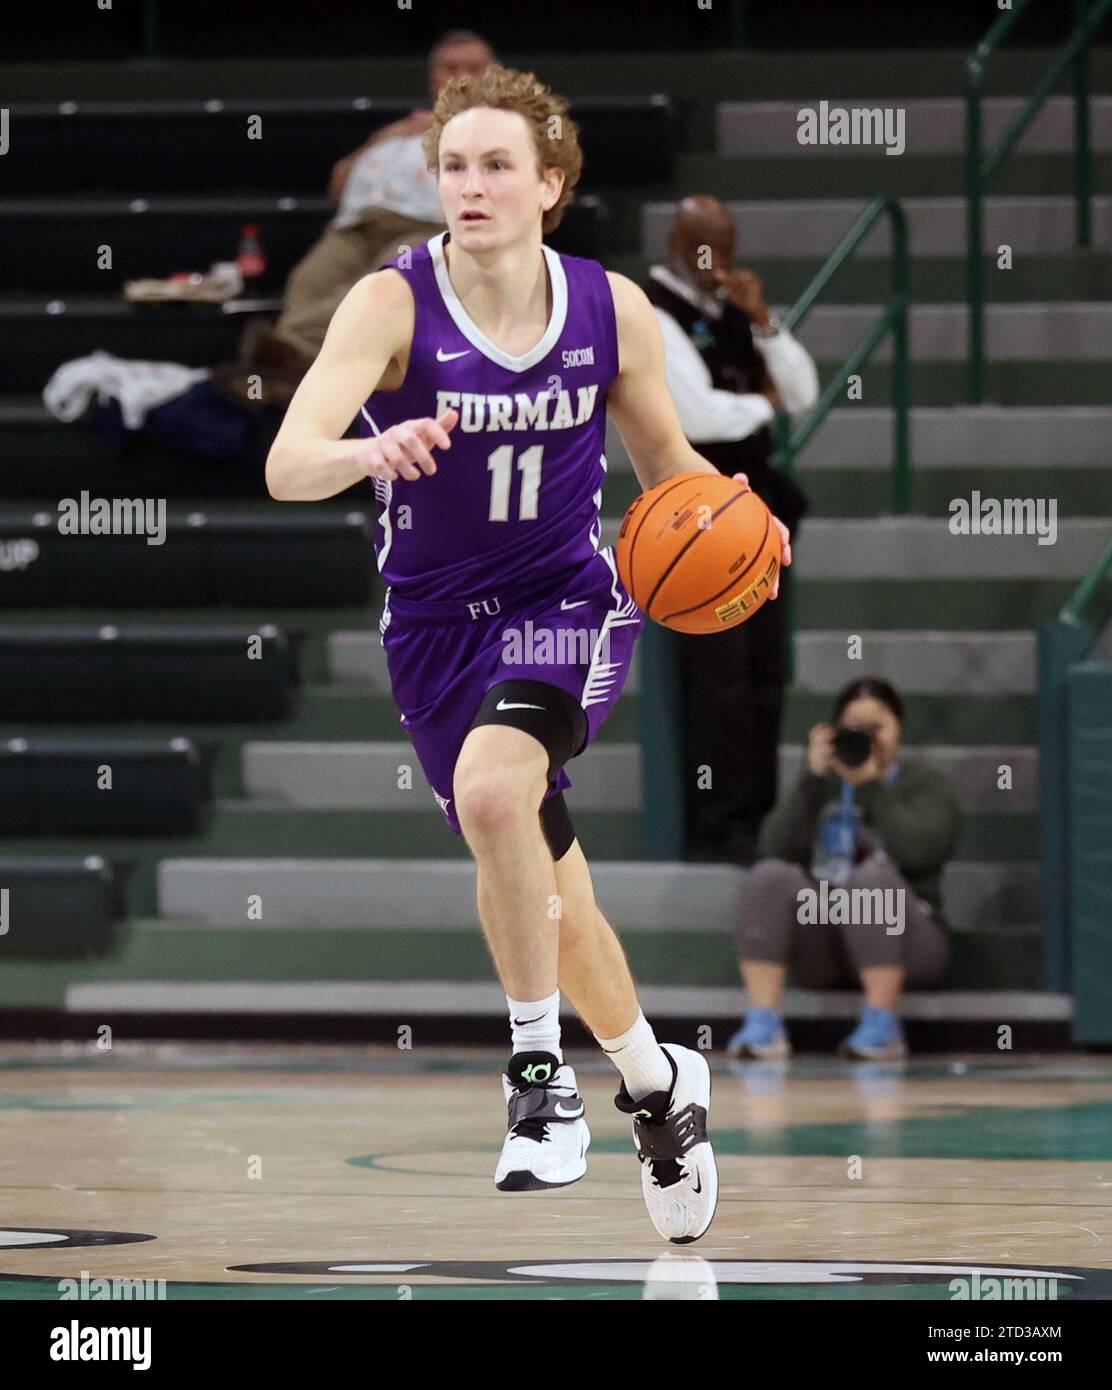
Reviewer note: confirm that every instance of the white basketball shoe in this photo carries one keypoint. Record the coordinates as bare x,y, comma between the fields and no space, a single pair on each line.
546,1144
679,1178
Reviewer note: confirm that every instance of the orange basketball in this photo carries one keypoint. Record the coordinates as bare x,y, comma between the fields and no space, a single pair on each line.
699,553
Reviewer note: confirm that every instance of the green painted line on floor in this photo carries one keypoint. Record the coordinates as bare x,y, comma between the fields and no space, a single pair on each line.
1071,1133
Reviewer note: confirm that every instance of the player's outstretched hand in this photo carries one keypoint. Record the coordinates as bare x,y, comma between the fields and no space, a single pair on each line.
785,536
404,449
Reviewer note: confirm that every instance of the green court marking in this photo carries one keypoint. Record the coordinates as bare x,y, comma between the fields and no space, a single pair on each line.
1080,1132
50,1102
375,1161
50,1105
354,1066
1014,1072
483,1061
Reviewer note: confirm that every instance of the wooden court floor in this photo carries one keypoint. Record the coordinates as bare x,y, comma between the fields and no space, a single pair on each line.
285,1171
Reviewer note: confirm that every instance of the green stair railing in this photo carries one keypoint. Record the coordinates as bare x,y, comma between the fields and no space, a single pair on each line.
981,166
792,436
1073,610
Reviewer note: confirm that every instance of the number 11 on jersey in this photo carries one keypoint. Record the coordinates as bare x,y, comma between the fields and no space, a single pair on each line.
500,467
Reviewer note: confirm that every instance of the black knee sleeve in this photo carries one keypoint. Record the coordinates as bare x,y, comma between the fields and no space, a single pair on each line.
557,826
555,720
550,714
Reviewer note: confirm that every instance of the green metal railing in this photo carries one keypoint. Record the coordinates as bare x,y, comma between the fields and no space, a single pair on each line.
1073,610
792,436
981,166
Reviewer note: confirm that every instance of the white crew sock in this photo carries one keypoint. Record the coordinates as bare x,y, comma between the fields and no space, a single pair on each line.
640,1059
535,1024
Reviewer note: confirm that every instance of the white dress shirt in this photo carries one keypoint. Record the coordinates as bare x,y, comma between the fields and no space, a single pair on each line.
391,175
710,416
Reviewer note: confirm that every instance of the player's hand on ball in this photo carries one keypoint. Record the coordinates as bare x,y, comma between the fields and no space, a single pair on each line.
404,449
785,536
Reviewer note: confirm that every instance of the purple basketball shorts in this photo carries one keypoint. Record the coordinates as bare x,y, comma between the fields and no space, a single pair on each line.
443,657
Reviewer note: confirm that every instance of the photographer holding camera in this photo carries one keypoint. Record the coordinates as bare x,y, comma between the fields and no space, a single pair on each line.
861,816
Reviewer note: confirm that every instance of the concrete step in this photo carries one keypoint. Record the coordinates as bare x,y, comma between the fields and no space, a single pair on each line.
355,714
261,830
332,713
426,893
805,226
1074,276
921,548
862,172
938,384
969,664
934,383
933,717
947,605
607,777
1018,1000
929,125
966,664
910,548
425,896
989,436
951,663
848,492
939,332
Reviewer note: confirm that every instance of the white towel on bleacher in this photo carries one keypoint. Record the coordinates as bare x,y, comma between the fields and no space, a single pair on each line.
138,386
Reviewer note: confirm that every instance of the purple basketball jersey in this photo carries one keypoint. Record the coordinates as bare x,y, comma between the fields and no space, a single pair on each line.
516,498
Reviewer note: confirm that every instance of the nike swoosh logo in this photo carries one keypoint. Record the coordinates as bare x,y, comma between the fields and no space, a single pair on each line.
520,1022
503,705
699,1186
568,1114
577,604
442,356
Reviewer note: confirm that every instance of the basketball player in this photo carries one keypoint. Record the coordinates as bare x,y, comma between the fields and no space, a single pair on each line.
482,366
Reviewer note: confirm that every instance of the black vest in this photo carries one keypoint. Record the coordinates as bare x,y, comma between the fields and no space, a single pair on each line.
735,364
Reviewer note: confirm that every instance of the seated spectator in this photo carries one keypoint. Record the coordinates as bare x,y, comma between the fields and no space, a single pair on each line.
860,817
387,199
730,366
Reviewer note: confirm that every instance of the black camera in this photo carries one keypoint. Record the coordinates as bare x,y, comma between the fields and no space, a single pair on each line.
852,745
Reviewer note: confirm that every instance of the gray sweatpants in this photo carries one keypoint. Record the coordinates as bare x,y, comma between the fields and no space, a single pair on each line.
820,955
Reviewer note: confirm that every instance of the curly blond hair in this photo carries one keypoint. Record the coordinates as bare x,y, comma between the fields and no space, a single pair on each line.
555,134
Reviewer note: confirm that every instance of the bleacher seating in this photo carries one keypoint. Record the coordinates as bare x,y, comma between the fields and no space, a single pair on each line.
60,906
95,786
206,558
136,673
319,790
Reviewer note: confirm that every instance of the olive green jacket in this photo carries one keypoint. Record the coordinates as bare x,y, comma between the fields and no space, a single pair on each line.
916,818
